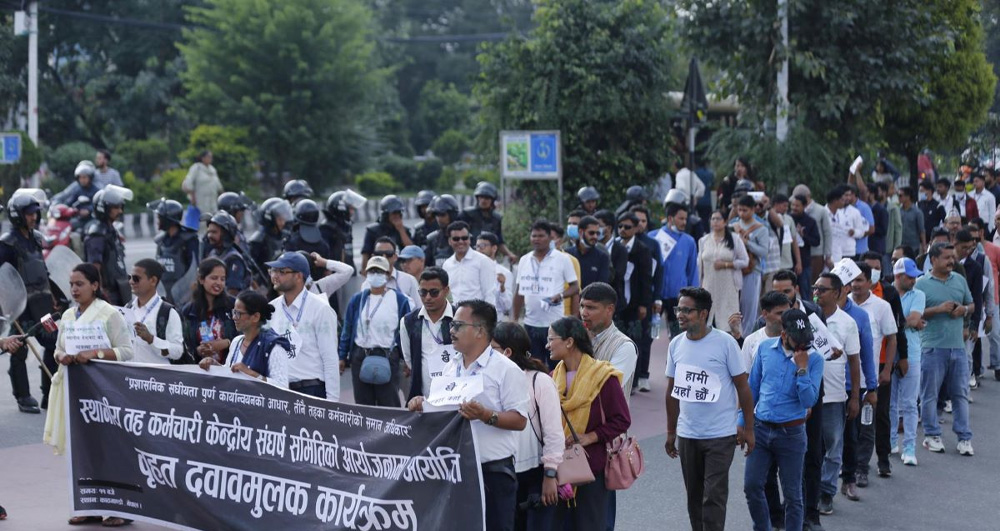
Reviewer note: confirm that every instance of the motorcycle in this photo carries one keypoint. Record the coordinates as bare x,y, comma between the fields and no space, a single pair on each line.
59,227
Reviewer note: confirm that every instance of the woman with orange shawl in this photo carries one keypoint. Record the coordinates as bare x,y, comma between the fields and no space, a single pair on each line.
590,392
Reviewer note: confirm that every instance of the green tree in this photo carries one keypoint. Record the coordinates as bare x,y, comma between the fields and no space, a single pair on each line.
301,76
596,70
961,85
442,107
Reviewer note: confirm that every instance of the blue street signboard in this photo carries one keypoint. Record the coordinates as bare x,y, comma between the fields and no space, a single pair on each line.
11,148
544,153
530,155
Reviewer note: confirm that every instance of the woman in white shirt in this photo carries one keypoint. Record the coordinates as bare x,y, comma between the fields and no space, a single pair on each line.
540,445
259,352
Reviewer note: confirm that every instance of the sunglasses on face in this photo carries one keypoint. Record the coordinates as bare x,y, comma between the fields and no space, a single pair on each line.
459,238
624,227
821,289
135,278
433,293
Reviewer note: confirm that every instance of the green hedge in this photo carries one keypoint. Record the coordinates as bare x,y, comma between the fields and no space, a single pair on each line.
376,184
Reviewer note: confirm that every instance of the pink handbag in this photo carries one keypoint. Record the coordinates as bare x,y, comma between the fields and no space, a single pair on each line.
575,468
625,463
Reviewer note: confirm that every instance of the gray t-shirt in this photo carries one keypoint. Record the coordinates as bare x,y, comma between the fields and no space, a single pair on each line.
103,178
719,357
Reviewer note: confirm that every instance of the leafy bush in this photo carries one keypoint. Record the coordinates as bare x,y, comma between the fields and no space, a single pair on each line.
472,177
440,108
404,170
63,161
451,145
446,182
143,191
233,157
428,173
376,184
142,157
168,185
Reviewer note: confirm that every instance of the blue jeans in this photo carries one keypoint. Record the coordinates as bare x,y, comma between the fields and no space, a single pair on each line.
786,447
950,366
834,417
905,392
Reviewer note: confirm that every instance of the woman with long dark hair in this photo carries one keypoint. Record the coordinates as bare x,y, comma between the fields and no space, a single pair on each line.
721,257
540,445
260,352
591,396
208,324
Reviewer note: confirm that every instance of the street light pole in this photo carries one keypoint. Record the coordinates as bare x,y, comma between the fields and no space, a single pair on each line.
33,72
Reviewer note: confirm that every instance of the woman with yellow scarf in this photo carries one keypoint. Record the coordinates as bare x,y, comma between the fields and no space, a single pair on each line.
591,395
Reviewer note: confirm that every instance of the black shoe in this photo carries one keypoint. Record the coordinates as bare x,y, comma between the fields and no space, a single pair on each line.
812,526
861,479
28,404
884,469
996,374
825,504
778,522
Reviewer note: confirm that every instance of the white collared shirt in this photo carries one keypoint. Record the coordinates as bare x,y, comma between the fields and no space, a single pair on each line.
505,298
314,339
987,205
277,362
629,269
845,329
538,282
474,277
434,356
378,319
173,343
504,389
842,222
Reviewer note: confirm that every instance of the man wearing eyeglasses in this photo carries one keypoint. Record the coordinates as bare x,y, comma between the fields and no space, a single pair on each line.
424,338
159,337
784,379
398,280
472,274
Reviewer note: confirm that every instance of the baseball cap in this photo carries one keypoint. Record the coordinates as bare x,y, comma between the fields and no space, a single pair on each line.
797,327
906,266
411,251
378,262
292,260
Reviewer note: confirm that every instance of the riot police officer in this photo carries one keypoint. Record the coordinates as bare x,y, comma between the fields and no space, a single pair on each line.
390,224
305,235
297,190
267,242
438,249
589,199
338,229
483,217
635,195
176,248
427,222
237,204
103,245
21,247
221,233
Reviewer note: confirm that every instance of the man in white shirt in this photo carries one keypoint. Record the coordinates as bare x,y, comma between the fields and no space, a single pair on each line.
310,325
837,405
400,281
159,335
986,202
541,275
424,338
472,274
489,244
772,305
497,414
847,225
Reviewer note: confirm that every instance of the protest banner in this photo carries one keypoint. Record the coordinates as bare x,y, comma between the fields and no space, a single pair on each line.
188,449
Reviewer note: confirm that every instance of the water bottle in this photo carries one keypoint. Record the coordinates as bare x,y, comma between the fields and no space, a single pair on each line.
654,330
867,413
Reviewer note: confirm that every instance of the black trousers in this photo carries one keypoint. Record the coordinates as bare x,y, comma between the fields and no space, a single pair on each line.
645,348
849,468
588,511
366,394
500,486
875,438
18,370
705,466
811,471
529,489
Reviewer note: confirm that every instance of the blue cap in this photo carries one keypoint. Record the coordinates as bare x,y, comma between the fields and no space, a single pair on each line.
907,266
292,260
411,251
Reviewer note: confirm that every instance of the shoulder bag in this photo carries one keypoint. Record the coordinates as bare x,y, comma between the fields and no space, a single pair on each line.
625,463
574,469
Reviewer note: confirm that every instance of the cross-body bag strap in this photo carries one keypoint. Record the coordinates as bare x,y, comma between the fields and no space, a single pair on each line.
538,414
572,432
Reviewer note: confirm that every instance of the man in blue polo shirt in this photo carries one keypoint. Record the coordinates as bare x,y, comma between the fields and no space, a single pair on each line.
784,379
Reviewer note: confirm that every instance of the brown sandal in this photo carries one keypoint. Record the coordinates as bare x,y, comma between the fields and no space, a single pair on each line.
114,521
84,520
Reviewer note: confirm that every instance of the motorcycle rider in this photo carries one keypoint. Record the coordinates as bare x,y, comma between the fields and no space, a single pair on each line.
103,245
21,247
267,242
222,230
483,217
427,224
305,235
390,224
297,190
83,186
438,249
176,245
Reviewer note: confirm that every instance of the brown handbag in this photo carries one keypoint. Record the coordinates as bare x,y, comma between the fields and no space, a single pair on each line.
575,468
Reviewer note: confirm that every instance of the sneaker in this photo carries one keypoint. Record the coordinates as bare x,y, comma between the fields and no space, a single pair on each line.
825,504
861,479
973,382
934,444
812,526
849,492
965,448
947,406
909,457
894,450
884,469
644,385
27,404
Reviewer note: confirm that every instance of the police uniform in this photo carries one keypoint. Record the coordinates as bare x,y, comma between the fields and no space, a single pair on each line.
266,246
177,254
438,248
480,222
237,271
339,240
104,247
422,231
374,231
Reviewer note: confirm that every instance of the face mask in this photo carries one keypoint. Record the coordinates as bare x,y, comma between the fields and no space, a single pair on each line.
377,280
600,234
876,275
922,196
552,245
960,196
573,231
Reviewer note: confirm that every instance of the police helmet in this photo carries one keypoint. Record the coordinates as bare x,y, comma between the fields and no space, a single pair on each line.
111,196
232,202
635,193
167,209
445,203
486,189
390,204
335,207
21,205
424,198
307,219
226,222
273,208
588,193
296,189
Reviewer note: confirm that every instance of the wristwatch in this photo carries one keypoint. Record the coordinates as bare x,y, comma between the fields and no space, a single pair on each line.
550,473
801,372
100,354
494,418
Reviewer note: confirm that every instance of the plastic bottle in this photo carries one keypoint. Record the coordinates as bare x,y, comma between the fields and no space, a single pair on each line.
867,413
654,329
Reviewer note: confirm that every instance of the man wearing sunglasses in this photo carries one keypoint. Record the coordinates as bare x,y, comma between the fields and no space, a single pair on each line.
424,338
473,275
159,337
784,379
638,292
